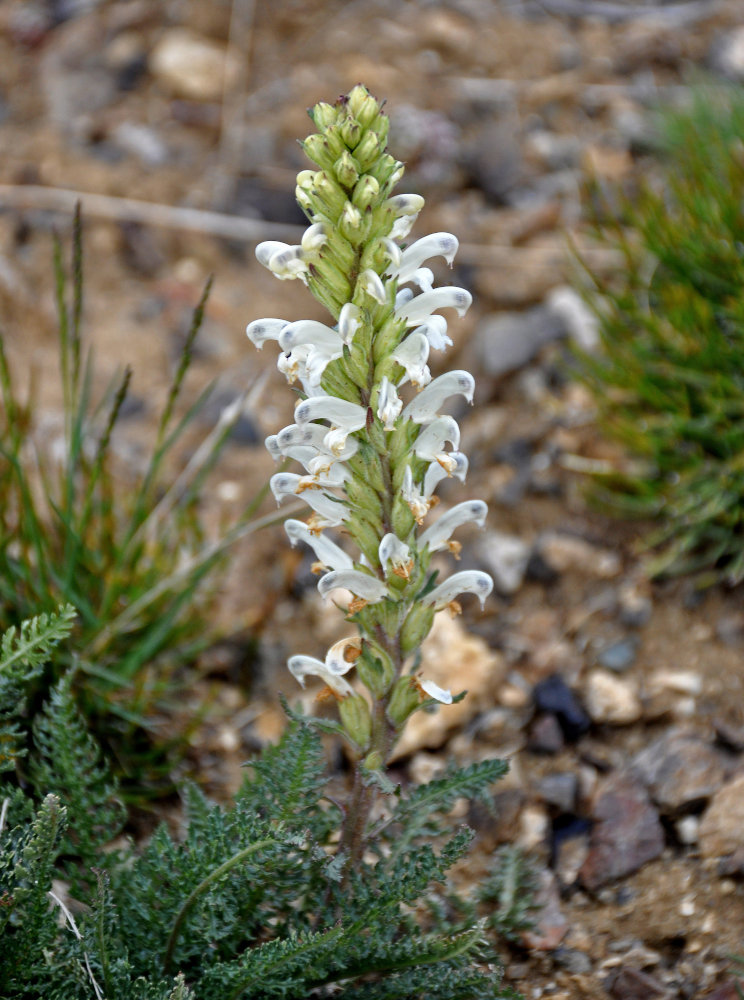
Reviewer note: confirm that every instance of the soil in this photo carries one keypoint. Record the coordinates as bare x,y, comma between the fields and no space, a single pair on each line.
470,85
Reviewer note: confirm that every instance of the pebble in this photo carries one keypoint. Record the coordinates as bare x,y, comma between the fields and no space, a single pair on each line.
618,656
566,553
613,700
506,558
634,608
727,55
559,790
506,342
688,830
546,735
722,824
141,141
192,66
550,925
553,695
534,828
680,771
627,832
579,322
632,984
493,160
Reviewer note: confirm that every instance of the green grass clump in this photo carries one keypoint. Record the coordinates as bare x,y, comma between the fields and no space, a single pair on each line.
669,379
131,555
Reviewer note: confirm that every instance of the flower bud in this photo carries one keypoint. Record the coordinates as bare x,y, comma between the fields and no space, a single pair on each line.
323,115
356,719
416,627
375,669
317,149
404,700
363,106
346,170
367,151
351,132
366,192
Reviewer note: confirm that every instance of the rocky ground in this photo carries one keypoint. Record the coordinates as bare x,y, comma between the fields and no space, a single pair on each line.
618,702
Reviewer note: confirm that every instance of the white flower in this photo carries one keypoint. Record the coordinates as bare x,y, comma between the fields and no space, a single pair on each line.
363,586
389,404
348,322
434,691
420,308
457,466
468,581
338,662
261,330
372,284
397,554
311,346
314,237
438,534
435,331
412,354
430,443
418,501
344,417
424,407
424,278
405,208
283,260
435,245
331,512
329,555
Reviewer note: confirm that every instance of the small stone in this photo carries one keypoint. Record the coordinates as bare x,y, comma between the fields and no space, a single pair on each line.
501,823
505,342
722,824
534,828
553,695
680,770
566,553
192,66
580,323
546,735
141,141
570,853
559,790
572,959
613,700
493,160
635,608
554,150
730,629
688,830
632,984
505,557
727,54
618,656
549,923
730,990
627,832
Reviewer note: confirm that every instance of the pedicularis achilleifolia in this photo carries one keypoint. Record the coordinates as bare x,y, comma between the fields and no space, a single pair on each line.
369,429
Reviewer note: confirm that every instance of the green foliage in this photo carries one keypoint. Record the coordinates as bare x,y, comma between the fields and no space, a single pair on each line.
131,556
249,902
668,382
509,893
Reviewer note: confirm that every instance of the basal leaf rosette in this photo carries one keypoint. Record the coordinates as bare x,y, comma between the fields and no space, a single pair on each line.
369,430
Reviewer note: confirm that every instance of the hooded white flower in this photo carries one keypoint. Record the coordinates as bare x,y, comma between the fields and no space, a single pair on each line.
468,581
424,407
438,534
372,284
331,512
430,443
261,330
435,245
395,554
420,308
434,691
329,555
283,260
368,588
457,466
412,354
338,662
435,331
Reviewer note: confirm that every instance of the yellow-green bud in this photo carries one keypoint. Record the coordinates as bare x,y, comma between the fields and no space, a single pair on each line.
356,719
401,519
373,761
363,498
416,627
363,106
351,223
388,338
329,193
404,700
375,669
351,132
317,149
346,170
324,115
366,192
368,150
365,536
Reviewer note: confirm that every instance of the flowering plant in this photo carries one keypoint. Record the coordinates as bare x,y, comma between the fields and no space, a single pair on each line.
369,429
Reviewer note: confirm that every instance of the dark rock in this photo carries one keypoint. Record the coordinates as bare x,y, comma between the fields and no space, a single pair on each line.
618,656
499,823
680,771
505,342
572,959
627,831
555,696
730,990
632,984
730,629
493,161
538,570
559,790
546,735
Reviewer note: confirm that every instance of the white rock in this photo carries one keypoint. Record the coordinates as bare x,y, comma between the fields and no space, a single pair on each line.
566,553
612,699
505,557
580,322
192,66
